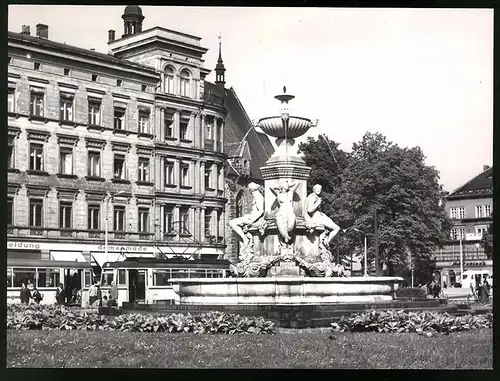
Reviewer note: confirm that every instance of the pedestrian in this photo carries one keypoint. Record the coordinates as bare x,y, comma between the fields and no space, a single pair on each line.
37,297
479,290
99,291
486,291
60,298
113,295
25,294
104,302
436,290
92,293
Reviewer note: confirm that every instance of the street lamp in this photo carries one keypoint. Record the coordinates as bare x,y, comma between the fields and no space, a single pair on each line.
106,232
365,274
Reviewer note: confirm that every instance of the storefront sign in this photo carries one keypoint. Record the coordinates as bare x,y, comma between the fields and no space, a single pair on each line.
23,245
470,264
125,248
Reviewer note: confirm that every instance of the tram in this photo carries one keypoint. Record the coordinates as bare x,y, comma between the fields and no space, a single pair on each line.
146,280
76,277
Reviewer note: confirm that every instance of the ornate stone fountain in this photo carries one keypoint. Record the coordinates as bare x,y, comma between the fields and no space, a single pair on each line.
284,256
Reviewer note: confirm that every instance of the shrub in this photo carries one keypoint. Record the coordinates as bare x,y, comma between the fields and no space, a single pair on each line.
419,322
411,292
62,318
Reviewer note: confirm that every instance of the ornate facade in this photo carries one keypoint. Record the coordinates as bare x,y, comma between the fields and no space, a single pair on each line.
132,139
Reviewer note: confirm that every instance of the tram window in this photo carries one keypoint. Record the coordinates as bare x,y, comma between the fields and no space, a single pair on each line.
87,280
48,277
161,277
107,278
214,274
197,273
121,277
177,273
9,277
23,276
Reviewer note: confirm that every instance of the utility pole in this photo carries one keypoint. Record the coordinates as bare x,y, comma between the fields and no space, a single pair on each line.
338,248
375,228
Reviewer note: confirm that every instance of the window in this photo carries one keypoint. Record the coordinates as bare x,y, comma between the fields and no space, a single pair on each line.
94,113
208,222
66,71
185,174
121,277
11,100
219,134
119,82
457,233
65,213
94,164
36,157
66,160
461,212
219,178
87,278
144,88
161,277
185,83
36,207
208,173
143,169
36,103
119,118
23,275
119,167
36,65
107,278
10,211
183,128
48,277
480,230
143,220
479,211
94,77
209,127
169,124
169,173
144,122
168,219
10,152
487,210
119,218
169,80
184,220
93,222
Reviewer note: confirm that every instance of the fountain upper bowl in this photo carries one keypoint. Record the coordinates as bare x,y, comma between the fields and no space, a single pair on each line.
274,126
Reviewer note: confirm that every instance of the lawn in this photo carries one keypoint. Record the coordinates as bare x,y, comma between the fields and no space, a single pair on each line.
287,349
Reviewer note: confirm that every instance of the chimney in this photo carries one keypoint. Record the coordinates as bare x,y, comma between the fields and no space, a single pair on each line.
111,35
486,167
92,49
25,29
42,31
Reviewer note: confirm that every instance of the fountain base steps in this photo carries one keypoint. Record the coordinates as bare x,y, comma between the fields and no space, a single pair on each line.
294,316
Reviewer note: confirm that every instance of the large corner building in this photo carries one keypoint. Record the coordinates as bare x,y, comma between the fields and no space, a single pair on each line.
135,142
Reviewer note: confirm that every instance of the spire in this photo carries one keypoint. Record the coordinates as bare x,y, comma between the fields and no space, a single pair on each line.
219,68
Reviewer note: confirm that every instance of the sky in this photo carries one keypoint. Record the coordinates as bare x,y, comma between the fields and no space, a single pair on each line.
421,77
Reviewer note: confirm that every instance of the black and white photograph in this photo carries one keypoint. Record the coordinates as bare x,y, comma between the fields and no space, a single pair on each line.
250,188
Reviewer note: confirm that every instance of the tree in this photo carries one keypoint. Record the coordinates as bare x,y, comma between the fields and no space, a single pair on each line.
487,242
394,180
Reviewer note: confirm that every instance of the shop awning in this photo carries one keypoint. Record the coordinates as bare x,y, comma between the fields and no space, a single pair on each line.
101,258
67,256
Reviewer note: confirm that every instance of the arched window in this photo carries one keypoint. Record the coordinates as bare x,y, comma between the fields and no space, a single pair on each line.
185,83
169,80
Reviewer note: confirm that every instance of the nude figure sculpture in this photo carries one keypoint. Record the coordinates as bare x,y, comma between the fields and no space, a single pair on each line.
315,217
285,218
257,211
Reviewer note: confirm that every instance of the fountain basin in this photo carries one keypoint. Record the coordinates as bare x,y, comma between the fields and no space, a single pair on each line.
285,290
273,126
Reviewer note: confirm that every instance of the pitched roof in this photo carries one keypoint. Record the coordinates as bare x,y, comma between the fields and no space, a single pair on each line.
480,185
80,51
239,127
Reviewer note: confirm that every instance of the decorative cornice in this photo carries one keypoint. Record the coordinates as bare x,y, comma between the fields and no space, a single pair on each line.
13,188
67,193
120,96
38,80
95,143
121,147
38,135
68,85
144,149
37,190
144,100
14,131
67,139
95,195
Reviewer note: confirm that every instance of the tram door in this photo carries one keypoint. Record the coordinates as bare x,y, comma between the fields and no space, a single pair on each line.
137,285
72,284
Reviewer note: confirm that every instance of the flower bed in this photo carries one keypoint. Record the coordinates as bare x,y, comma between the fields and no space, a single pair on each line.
55,317
421,322
411,292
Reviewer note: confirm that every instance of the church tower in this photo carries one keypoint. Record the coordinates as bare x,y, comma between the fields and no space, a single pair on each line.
220,80
132,20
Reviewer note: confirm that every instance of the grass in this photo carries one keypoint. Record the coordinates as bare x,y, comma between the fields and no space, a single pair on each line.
287,349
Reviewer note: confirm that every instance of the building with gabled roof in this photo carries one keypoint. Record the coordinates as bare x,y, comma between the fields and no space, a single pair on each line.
470,208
